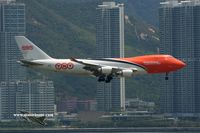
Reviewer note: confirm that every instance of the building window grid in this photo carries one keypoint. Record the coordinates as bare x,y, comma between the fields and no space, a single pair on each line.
184,50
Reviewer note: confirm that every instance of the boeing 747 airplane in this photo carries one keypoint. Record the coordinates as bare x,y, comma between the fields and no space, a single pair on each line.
104,69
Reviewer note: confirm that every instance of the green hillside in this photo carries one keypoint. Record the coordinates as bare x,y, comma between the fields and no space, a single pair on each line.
66,28
143,9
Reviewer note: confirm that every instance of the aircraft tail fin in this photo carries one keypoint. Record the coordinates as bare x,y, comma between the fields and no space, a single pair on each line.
29,50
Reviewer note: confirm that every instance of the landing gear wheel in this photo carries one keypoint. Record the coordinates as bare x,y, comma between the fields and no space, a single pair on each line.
101,79
108,79
166,77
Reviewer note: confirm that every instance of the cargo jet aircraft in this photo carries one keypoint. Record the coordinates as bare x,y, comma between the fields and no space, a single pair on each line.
105,69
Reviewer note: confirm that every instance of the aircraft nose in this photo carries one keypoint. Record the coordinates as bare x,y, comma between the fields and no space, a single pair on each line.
180,64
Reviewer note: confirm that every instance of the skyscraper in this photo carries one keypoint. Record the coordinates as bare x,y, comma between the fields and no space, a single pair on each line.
110,44
35,96
179,34
15,92
12,23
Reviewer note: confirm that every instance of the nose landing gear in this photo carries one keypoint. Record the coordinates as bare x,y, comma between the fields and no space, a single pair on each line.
166,76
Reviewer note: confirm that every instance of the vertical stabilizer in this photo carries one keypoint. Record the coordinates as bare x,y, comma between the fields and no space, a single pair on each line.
29,50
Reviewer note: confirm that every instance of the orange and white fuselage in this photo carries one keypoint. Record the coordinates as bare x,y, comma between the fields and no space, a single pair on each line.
144,64
105,68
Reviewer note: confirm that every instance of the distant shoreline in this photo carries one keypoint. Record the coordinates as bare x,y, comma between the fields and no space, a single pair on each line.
126,129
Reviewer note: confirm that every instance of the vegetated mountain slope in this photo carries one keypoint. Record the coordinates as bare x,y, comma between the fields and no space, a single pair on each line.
66,28
146,10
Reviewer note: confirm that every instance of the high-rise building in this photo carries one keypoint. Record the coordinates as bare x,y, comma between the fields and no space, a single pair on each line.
7,100
35,96
15,93
110,44
12,23
179,35
32,96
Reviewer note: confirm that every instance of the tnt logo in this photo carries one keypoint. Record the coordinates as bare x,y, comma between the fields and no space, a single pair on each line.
64,66
27,47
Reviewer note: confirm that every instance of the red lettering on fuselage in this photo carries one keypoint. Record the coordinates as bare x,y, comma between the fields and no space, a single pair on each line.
64,66
70,65
58,66
27,47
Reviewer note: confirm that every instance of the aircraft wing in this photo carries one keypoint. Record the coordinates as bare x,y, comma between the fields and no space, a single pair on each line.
87,66
95,68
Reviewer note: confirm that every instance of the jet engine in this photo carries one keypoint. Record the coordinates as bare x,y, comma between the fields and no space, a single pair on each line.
126,73
106,70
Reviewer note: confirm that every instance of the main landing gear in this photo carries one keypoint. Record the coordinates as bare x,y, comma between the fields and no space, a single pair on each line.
104,78
108,79
166,76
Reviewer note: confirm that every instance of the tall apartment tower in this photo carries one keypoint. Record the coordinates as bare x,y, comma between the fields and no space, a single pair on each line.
12,23
15,92
35,96
110,44
179,34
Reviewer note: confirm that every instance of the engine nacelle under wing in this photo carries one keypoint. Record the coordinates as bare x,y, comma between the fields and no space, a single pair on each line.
126,73
106,70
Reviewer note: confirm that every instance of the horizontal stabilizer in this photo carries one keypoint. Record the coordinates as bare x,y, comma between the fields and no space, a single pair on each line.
29,63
